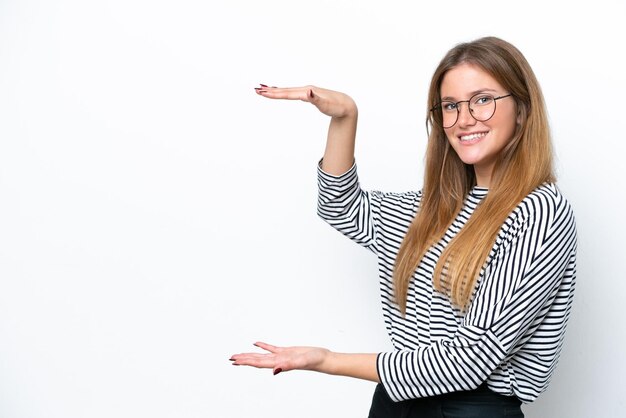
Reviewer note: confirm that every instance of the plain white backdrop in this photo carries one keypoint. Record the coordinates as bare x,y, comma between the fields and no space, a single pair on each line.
156,216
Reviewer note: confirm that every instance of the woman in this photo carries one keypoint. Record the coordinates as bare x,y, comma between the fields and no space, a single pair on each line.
477,270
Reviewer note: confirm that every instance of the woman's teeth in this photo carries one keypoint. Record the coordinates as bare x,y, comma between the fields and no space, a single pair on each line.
473,136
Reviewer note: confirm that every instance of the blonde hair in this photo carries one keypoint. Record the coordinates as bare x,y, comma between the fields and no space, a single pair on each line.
523,165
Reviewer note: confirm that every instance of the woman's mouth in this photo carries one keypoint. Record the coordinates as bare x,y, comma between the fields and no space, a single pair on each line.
472,137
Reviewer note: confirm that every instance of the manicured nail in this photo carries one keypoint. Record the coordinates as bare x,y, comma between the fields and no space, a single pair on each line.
262,85
277,371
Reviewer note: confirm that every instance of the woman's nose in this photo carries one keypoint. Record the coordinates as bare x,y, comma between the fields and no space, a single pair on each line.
465,115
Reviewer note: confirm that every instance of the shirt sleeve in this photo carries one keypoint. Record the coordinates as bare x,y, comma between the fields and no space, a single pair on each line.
363,215
347,208
526,274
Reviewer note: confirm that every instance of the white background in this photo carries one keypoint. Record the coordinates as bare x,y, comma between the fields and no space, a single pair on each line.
156,216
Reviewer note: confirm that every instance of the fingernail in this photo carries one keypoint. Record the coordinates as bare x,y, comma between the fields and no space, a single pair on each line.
231,359
262,85
277,371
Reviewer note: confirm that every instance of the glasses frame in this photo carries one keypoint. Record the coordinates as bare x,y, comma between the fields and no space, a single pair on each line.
458,108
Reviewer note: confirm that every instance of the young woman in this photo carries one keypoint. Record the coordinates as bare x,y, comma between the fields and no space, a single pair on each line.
477,270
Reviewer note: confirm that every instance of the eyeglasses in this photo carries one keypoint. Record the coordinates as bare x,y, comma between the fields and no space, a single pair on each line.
481,106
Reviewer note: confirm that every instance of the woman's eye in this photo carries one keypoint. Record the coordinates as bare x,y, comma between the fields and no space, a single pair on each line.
483,100
448,106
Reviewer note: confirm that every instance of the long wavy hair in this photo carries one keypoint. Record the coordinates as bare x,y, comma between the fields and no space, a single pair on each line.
524,164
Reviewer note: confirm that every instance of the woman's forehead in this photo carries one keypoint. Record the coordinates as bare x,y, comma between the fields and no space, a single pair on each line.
465,80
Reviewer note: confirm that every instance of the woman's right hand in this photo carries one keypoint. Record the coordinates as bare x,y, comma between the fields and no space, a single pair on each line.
329,102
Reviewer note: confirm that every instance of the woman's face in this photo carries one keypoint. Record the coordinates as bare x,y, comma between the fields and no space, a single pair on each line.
478,143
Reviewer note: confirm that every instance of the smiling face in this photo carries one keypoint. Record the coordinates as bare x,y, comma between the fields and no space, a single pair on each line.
478,143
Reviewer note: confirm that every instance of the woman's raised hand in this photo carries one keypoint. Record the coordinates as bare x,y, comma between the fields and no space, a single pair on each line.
329,102
283,358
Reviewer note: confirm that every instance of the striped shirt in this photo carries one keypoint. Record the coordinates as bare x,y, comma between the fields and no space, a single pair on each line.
512,332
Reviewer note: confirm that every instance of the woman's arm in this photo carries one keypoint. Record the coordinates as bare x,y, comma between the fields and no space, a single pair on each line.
339,153
279,359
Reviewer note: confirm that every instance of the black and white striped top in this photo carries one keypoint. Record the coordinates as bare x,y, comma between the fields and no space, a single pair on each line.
512,333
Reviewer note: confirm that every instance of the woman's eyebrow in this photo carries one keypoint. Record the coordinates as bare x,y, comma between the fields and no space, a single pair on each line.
451,98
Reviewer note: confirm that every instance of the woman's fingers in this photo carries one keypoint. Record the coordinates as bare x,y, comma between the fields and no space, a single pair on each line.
262,361
267,347
287,93
270,360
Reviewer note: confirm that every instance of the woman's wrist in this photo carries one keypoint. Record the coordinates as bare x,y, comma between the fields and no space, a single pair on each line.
361,366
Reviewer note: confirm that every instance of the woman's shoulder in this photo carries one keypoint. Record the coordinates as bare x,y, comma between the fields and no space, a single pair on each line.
546,203
546,196
544,211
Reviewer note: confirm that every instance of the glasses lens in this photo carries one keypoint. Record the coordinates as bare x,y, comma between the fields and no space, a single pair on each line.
449,113
482,106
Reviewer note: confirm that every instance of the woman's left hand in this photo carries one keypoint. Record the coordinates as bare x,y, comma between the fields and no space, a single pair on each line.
283,358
